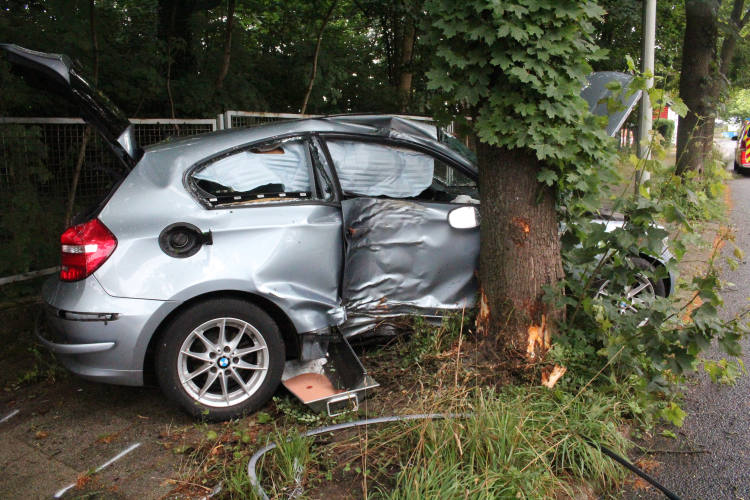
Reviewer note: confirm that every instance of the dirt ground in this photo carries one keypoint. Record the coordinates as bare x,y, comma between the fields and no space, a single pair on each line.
56,428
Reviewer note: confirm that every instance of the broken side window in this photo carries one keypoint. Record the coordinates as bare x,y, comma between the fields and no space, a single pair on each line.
371,169
450,185
276,171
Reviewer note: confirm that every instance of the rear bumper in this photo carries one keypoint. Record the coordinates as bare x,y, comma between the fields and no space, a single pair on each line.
74,348
97,336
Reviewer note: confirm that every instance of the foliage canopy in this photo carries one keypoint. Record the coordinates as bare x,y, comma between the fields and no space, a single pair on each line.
508,64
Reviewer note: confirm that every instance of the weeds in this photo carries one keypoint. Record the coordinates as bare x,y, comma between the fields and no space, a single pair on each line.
723,371
515,443
44,368
427,341
296,412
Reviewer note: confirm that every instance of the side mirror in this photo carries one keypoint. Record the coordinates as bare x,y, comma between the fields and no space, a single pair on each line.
735,137
464,217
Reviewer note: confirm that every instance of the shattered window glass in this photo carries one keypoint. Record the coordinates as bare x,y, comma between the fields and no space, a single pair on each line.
272,170
450,176
369,169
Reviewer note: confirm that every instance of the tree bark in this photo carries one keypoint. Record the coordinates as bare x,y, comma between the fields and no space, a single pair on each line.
173,28
407,51
519,254
697,81
735,24
315,56
227,46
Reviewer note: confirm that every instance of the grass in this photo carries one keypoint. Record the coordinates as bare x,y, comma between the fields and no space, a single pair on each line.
517,443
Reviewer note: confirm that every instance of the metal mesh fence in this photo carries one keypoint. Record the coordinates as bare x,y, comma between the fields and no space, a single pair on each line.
57,142
38,158
238,119
153,131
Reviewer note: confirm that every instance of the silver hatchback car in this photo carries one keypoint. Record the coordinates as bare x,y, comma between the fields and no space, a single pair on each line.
224,263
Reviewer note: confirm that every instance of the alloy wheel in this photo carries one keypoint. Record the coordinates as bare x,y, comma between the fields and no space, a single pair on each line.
223,362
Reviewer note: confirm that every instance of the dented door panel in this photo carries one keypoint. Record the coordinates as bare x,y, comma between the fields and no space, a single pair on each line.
402,257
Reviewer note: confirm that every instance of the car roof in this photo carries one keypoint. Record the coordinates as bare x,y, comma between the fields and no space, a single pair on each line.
183,152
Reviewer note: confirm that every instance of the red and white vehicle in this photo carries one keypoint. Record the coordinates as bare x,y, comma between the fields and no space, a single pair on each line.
742,151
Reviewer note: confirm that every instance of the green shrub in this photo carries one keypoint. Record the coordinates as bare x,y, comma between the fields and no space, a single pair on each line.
30,218
665,128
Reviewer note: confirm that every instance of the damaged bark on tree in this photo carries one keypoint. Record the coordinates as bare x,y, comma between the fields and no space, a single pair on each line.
519,226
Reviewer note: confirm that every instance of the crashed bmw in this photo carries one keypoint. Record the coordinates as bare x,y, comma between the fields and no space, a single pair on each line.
226,263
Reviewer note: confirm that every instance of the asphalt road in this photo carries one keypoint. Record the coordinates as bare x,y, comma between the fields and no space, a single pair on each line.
710,459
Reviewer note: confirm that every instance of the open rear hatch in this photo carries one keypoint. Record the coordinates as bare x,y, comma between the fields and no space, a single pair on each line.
56,73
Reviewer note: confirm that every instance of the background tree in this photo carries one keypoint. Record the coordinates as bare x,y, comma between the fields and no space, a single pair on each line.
363,64
517,67
712,33
738,105
231,4
619,32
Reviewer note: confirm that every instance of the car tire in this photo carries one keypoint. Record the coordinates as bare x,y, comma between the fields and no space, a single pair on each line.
220,359
644,284
660,290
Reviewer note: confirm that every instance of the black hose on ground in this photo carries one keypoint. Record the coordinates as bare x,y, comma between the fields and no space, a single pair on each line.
255,483
632,468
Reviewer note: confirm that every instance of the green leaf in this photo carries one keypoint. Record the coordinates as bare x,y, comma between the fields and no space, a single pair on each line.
674,414
630,63
547,176
679,107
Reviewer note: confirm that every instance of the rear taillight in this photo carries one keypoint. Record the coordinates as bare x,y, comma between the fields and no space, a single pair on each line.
744,160
85,247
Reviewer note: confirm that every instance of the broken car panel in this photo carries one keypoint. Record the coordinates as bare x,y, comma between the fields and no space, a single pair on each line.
229,262
404,258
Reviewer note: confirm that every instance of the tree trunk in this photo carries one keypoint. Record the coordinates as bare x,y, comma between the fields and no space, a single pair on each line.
407,50
173,28
227,46
736,22
87,131
697,81
315,56
519,255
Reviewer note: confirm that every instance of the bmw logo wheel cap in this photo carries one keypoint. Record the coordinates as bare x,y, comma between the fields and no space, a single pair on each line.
223,362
